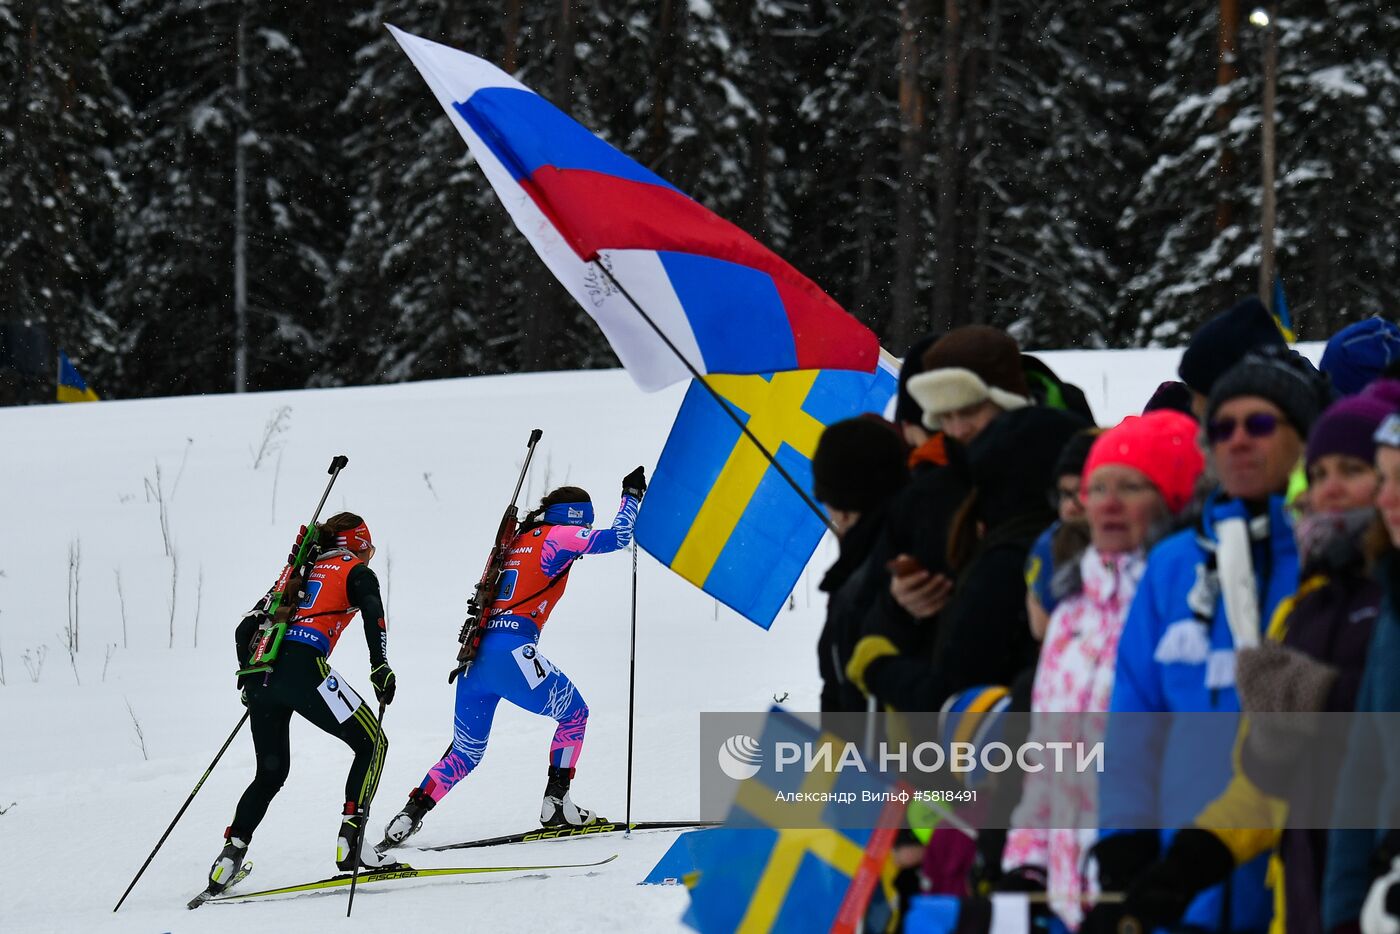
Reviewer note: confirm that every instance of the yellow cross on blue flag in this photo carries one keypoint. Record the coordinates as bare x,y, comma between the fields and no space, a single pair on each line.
755,877
718,513
71,385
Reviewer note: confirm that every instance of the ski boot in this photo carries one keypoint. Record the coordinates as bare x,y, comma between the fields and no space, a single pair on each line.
409,821
229,863
558,810
352,820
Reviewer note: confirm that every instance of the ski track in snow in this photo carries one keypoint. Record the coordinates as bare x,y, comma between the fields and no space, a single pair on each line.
88,807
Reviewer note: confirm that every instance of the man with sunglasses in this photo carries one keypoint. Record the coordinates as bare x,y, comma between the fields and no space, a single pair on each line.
1207,590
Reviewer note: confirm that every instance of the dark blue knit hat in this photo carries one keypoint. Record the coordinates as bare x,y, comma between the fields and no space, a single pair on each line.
1282,376
1173,395
859,464
906,410
1359,353
1224,340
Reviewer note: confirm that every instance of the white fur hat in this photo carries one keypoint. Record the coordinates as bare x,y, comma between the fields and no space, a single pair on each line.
956,388
968,365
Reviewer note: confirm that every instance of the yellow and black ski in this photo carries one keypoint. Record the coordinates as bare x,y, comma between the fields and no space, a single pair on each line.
401,871
563,833
210,894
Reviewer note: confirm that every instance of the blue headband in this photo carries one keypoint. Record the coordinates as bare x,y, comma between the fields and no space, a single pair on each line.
569,514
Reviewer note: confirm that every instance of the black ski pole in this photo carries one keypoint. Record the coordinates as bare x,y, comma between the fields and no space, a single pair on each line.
360,831
631,691
181,813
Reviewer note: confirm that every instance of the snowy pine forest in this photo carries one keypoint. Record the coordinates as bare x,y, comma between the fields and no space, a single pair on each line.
1084,173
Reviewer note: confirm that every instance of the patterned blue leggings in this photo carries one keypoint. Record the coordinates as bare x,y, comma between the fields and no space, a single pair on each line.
508,666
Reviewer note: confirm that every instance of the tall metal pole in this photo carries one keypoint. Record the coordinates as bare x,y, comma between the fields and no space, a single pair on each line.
240,209
1267,200
1225,72
631,692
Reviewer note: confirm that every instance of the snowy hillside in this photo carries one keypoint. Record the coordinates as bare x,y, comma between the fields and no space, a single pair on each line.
164,519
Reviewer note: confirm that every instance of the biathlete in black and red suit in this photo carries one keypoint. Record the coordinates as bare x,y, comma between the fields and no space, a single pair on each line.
339,585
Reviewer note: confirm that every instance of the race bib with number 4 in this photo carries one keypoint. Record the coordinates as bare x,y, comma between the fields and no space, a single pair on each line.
534,666
339,696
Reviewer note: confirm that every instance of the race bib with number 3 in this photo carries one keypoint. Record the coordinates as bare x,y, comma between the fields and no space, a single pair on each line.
534,666
339,697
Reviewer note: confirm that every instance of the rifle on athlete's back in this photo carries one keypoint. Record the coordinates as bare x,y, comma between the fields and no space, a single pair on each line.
486,589
273,612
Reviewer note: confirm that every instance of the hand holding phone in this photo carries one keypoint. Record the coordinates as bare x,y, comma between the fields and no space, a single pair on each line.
903,565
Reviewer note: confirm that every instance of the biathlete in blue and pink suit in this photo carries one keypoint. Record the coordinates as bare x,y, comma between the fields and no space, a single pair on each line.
509,666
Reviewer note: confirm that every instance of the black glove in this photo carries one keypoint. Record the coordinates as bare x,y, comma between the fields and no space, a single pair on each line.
1195,861
1103,918
296,545
382,677
635,484
1022,879
1125,856
245,635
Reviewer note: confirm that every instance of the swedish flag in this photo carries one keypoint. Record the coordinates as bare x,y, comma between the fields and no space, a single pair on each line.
71,385
718,513
826,878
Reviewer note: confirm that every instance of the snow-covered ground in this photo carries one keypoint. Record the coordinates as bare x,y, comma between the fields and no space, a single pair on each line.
152,524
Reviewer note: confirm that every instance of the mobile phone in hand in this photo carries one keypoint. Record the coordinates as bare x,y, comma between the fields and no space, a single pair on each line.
903,565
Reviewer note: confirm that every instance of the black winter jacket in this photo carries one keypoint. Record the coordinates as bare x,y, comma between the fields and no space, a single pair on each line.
981,638
852,585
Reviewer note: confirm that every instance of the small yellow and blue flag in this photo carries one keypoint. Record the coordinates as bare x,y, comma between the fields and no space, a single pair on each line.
1282,318
755,876
718,513
71,385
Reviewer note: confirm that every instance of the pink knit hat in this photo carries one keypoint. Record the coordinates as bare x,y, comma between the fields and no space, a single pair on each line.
1161,445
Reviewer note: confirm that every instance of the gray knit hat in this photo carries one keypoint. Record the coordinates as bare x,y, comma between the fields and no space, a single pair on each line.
1282,376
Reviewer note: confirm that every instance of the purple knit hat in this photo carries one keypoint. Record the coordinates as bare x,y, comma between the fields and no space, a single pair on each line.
1349,426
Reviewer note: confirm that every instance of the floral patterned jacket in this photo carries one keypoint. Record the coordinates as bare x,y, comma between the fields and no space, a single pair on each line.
1075,675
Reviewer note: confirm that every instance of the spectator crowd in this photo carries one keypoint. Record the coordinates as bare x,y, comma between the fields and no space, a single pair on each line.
1234,548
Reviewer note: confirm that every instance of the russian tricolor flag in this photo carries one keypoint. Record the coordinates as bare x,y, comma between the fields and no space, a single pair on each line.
725,302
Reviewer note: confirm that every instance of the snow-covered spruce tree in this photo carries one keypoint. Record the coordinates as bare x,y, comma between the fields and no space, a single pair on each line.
59,123
741,119
1338,97
434,272
229,226
1065,139
1339,168
431,280
841,172
1189,209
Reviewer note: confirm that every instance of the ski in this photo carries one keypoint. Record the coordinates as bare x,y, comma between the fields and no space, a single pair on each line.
561,833
402,871
208,894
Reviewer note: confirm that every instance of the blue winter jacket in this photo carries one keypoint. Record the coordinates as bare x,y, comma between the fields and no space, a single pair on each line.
1373,756
1040,568
1169,661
